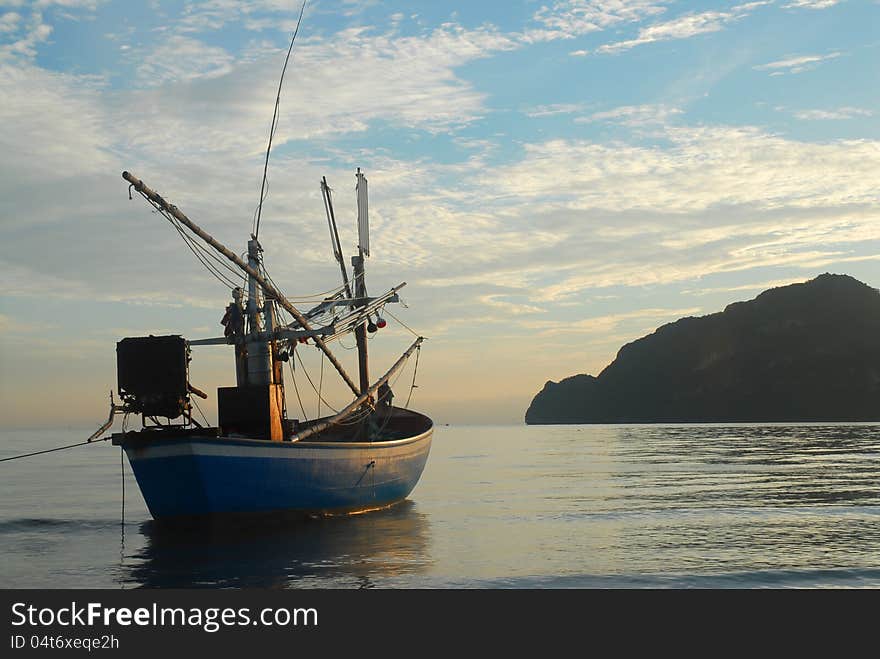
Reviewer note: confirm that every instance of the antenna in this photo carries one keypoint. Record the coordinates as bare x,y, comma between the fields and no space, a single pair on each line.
259,212
363,214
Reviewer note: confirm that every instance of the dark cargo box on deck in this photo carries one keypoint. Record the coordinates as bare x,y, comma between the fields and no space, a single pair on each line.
151,374
252,411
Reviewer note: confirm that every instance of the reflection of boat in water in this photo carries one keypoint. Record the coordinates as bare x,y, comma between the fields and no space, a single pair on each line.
368,455
354,551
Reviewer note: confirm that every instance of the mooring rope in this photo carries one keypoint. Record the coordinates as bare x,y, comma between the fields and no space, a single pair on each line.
122,519
51,450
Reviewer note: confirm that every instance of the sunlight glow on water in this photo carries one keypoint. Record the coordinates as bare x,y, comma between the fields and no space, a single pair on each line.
524,507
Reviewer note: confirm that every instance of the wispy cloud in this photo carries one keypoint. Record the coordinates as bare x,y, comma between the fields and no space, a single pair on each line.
29,34
514,308
702,166
607,323
683,27
9,325
70,4
838,113
566,19
22,35
9,22
555,109
634,115
211,15
796,64
436,219
811,4
220,105
181,58
748,6
759,286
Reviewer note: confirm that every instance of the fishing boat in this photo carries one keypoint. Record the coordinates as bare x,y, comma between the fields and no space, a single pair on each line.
368,455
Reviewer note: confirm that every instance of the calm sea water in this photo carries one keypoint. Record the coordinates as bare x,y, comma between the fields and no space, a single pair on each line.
516,507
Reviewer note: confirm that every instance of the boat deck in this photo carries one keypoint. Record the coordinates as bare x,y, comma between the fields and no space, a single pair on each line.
399,424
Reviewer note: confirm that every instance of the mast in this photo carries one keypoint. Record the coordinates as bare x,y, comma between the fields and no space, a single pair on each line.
357,263
360,332
259,362
334,234
154,198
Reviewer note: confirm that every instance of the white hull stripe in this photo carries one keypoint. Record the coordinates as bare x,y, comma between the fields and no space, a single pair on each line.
284,452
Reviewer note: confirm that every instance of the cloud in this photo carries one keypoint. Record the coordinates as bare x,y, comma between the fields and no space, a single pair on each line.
702,166
10,325
811,4
33,30
683,27
70,4
9,21
181,58
748,6
567,19
623,214
796,64
761,286
839,113
789,231
513,308
633,115
554,109
337,86
52,127
89,5
708,200
212,15
607,323
25,46
258,15
699,201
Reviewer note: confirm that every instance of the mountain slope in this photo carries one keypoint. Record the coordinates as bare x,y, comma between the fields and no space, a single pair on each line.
804,352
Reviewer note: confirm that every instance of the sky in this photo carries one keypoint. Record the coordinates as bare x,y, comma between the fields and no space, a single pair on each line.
551,179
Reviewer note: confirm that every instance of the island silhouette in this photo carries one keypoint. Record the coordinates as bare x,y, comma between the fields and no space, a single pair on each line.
803,352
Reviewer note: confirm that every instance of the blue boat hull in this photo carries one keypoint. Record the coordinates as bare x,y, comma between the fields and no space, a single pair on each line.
191,475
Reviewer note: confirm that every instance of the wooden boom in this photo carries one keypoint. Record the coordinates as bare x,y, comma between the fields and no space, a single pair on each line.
156,199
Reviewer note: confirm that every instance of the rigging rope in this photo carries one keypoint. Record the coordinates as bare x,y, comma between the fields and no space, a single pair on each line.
296,389
204,418
308,377
321,384
199,251
415,370
211,254
410,329
173,220
264,184
217,275
356,418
